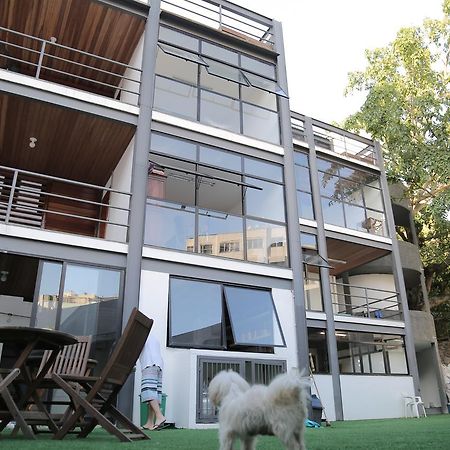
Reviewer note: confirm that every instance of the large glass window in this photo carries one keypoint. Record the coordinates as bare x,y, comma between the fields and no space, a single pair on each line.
216,316
351,198
199,195
369,353
221,87
303,182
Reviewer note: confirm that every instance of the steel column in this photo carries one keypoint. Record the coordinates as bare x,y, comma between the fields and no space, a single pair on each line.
293,233
324,272
139,184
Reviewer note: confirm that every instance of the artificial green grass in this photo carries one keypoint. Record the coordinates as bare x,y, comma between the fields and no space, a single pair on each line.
432,433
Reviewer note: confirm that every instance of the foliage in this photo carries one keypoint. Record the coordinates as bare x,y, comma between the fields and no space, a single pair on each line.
407,109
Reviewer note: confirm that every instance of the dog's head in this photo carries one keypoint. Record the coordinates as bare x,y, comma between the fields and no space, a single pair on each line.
226,383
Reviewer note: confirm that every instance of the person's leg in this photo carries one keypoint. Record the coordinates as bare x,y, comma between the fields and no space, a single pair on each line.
159,417
150,417
149,386
155,404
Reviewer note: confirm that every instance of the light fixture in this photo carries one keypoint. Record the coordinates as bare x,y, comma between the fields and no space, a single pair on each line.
3,275
32,143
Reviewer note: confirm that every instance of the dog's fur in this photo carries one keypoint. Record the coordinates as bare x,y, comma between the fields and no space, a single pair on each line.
246,411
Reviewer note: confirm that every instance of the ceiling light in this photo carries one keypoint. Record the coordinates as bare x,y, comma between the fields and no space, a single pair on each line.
3,275
32,143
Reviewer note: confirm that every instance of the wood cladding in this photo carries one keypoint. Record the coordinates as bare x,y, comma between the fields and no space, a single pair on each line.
60,222
70,144
81,24
354,255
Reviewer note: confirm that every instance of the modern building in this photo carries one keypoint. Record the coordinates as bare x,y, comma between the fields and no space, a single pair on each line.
149,157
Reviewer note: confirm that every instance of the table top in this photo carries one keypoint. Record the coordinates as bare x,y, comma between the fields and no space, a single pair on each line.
45,339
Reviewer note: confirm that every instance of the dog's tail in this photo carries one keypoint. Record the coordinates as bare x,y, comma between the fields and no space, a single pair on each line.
290,388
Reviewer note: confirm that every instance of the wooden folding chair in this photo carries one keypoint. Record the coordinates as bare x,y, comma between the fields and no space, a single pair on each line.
10,404
99,393
71,360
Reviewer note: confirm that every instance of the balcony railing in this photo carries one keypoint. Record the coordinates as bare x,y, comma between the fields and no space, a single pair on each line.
50,61
336,140
41,201
235,20
360,301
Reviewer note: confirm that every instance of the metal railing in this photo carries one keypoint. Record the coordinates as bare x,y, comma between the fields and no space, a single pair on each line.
234,20
331,138
361,301
48,60
52,203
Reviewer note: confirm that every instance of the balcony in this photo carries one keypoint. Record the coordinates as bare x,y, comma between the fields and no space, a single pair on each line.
51,203
63,170
232,20
87,46
361,301
329,138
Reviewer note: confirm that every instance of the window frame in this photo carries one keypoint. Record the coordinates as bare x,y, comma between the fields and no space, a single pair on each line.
253,348
196,208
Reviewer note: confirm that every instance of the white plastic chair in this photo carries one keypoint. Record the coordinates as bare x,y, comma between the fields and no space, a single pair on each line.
411,406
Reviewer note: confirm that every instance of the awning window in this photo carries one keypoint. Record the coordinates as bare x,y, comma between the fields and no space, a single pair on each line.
225,71
181,53
265,84
253,317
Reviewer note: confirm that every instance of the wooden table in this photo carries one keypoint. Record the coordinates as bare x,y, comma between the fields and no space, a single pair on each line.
31,339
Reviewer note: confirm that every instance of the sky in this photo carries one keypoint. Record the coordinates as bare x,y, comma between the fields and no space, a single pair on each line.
325,40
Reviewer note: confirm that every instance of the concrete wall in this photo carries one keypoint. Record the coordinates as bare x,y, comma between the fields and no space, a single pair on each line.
322,386
374,397
429,387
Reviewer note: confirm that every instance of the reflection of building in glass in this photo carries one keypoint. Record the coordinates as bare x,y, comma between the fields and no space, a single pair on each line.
263,245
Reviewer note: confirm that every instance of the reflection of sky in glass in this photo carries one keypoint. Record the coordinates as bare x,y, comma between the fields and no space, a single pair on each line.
252,315
267,203
91,280
194,305
51,276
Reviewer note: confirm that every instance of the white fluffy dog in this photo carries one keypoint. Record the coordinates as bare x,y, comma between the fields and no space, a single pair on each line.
245,411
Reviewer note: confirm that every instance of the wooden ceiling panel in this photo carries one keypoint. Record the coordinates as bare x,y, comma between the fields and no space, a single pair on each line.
70,144
80,24
344,256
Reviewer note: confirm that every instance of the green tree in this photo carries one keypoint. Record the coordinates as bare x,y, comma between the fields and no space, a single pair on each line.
407,108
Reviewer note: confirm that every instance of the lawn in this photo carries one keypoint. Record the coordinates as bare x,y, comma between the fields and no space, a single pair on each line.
432,433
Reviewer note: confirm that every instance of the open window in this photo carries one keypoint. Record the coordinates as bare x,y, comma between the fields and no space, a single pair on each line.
205,314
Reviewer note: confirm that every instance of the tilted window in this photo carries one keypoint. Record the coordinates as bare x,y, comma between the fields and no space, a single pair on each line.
211,315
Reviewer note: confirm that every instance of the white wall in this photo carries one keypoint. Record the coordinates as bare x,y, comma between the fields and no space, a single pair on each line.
372,281
135,61
323,388
121,181
180,365
374,397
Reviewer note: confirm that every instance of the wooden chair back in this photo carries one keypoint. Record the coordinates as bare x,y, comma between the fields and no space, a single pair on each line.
71,360
126,352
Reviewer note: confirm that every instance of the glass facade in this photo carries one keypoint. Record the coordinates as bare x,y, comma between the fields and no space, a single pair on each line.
371,353
351,198
202,197
203,81
217,316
